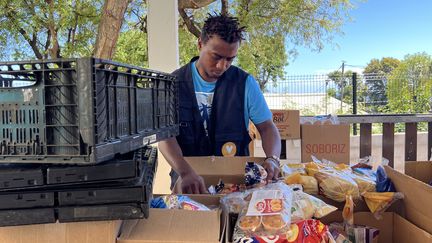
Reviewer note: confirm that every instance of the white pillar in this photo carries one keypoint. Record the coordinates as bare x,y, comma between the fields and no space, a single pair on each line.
163,53
162,29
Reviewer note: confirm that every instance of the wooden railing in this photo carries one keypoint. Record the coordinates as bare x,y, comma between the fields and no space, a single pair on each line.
388,122
388,139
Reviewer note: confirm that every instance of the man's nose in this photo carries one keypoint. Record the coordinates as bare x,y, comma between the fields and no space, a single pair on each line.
222,64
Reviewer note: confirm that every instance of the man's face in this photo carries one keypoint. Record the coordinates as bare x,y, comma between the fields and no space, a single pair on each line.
216,56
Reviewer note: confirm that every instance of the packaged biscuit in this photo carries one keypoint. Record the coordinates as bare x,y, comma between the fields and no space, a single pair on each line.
267,212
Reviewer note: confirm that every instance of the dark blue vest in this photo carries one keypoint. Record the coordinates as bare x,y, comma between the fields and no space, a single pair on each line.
227,123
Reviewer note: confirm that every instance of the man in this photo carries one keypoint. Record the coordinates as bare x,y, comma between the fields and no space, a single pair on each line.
215,105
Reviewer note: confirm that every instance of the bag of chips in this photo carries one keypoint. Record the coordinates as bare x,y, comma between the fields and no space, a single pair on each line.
306,206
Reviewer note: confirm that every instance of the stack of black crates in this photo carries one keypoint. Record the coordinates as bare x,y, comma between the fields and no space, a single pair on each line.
74,136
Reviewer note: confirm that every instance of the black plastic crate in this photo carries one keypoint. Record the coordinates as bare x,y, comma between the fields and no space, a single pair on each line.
82,110
27,216
128,169
102,212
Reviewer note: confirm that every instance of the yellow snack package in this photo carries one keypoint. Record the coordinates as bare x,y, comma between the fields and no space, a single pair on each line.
378,202
336,185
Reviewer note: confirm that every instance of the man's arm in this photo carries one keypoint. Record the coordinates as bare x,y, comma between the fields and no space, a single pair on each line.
271,143
190,181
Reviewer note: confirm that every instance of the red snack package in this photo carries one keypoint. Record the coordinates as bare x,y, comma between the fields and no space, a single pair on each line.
307,231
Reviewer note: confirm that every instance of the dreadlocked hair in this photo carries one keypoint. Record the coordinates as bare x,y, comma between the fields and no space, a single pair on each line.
224,26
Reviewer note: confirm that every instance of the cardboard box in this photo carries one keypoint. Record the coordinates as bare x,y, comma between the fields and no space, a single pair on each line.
420,170
212,169
331,142
175,225
417,198
393,228
80,232
287,122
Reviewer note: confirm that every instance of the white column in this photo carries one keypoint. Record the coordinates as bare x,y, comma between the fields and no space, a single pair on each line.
162,27
163,53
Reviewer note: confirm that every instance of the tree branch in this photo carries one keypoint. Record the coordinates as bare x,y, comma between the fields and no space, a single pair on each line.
193,4
189,24
224,7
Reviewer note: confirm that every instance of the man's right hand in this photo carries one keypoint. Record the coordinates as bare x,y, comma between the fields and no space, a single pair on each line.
191,183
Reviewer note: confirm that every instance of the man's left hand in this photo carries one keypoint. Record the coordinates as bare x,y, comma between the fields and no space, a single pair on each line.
272,168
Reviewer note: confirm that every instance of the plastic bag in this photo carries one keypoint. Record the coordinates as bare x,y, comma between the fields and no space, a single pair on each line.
378,202
306,206
255,174
268,211
235,202
335,185
309,183
289,169
383,183
177,202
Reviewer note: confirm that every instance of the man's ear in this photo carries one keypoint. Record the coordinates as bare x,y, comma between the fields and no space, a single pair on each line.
199,43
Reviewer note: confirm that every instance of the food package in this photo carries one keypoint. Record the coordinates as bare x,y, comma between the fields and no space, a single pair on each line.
255,175
309,183
311,231
363,234
289,169
364,183
177,202
226,188
348,211
306,206
338,234
383,183
336,185
235,202
268,211
378,202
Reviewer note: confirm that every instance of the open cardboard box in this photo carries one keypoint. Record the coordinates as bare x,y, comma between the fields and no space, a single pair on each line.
212,169
393,228
80,232
420,170
417,198
174,225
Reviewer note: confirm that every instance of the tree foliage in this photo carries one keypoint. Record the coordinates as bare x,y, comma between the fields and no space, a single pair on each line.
409,87
48,28
275,28
375,75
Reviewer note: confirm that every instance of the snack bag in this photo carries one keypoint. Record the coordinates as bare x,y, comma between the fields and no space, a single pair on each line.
226,188
289,169
306,206
309,183
177,202
310,230
383,183
378,202
336,185
255,175
235,202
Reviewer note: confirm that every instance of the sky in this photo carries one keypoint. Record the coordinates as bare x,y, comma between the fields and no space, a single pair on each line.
379,28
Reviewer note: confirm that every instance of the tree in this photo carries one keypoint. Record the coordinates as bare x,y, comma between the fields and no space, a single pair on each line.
409,87
375,75
275,29
48,29
109,27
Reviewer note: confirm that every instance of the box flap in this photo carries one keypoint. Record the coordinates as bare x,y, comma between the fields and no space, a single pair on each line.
80,232
174,226
417,198
421,170
404,231
215,165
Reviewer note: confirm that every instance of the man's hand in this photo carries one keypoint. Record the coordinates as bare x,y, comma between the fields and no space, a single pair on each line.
272,168
191,183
